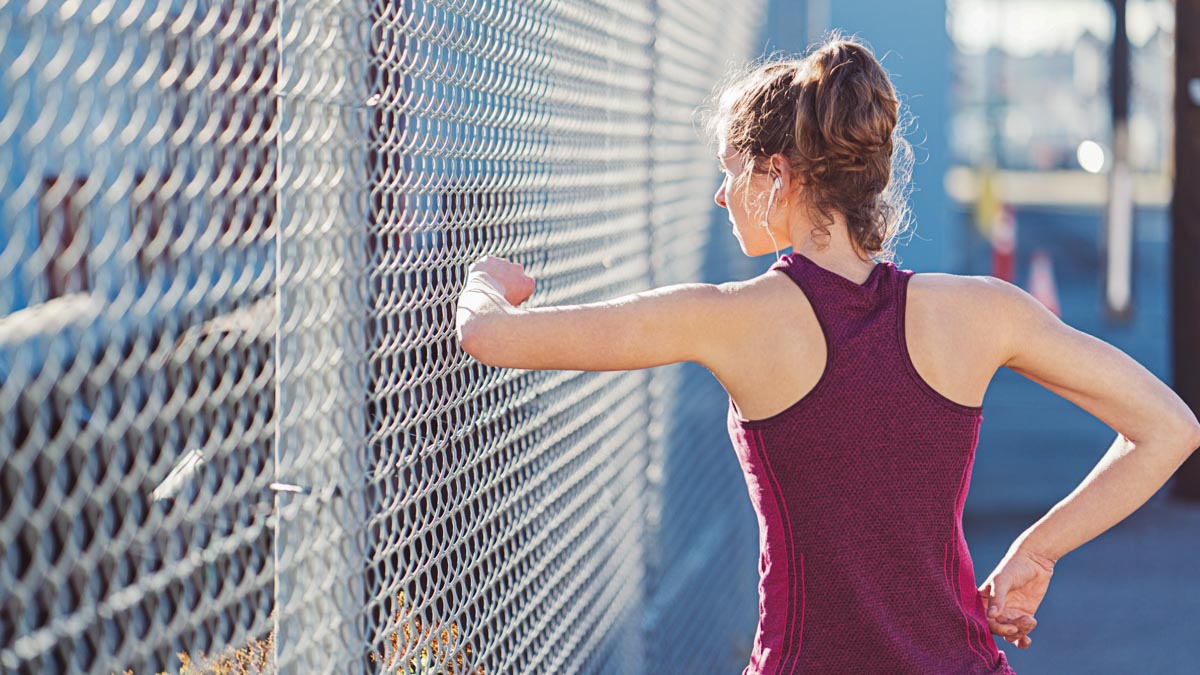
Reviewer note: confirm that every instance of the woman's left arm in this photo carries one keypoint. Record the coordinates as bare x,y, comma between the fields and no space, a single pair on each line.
682,322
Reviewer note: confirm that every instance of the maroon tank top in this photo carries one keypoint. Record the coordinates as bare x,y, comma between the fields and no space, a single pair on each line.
859,489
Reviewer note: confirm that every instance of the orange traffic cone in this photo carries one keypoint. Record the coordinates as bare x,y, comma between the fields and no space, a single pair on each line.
1041,281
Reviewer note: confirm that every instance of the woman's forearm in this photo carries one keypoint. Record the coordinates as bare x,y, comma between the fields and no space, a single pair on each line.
1125,478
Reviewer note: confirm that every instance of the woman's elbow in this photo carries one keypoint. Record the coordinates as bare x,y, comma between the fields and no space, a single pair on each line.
1193,436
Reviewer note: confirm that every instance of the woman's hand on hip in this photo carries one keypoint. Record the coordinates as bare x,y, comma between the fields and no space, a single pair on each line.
1012,593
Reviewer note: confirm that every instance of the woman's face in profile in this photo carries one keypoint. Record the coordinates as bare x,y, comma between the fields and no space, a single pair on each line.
746,229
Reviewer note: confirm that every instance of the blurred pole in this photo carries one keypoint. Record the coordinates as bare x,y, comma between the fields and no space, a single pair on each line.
1185,230
1118,221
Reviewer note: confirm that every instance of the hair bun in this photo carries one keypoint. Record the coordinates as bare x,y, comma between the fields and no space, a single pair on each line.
835,116
855,108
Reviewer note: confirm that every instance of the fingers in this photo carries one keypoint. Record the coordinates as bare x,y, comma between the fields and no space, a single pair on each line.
1021,626
1016,631
1022,642
997,592
1016,624
1025,622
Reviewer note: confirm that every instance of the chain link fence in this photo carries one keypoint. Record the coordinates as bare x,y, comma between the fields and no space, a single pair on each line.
233,411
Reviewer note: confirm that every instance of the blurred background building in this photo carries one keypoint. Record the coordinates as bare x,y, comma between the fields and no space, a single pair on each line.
1030,82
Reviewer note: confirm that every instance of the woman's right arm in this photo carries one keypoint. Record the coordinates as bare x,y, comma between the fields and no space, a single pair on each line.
1156,429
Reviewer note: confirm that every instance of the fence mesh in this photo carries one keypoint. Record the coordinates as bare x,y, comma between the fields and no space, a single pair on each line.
233,412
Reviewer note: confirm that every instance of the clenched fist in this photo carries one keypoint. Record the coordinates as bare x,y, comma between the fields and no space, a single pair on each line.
508,277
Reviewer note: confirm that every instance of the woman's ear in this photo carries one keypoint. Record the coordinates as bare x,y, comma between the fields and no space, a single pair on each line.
782,168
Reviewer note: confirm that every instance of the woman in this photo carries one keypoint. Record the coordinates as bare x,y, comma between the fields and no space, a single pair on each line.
855,387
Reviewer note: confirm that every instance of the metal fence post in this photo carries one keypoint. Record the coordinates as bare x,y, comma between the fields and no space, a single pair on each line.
320,505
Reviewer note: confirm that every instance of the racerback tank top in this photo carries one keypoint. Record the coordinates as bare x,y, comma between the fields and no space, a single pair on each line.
859,488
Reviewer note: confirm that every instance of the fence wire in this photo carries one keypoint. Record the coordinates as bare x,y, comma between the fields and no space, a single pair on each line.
235,424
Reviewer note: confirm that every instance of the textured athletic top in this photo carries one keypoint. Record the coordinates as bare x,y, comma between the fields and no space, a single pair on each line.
859,489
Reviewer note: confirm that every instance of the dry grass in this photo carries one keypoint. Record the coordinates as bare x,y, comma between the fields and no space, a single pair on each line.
429,659
258,657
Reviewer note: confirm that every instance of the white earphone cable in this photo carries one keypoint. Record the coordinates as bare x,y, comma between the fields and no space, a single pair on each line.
770,201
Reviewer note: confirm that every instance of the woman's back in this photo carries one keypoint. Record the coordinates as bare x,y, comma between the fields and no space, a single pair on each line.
947,332
858,473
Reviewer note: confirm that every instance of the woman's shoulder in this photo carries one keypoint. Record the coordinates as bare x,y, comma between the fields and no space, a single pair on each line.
975,289
978,308
965,294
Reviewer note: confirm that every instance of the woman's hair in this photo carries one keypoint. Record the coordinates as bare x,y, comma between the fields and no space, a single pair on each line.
836,118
